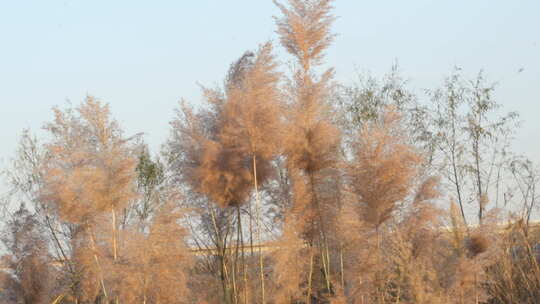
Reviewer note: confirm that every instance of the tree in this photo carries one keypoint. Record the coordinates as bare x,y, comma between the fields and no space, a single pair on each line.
471,139
151,186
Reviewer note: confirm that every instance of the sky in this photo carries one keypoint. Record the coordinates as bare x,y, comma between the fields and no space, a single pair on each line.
142,57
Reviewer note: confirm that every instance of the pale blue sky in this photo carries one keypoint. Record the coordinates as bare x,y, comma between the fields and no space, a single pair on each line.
143,56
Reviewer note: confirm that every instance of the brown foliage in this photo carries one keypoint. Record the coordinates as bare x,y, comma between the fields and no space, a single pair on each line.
251,115
225,175
290,265
477,244
154,268
384,169
360,223
29,277
91,169
304,30
235,130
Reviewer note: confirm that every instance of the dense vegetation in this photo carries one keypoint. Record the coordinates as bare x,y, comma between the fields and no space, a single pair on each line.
280,188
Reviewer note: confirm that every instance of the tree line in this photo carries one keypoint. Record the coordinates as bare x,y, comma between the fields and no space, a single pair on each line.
280,187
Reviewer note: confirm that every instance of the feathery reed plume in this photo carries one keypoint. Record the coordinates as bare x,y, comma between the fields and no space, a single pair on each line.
332,215
304,30
235,140
313,141
91,169
251,122
245,125
384,168
29,277
90,172
477,244
156,264
382,175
